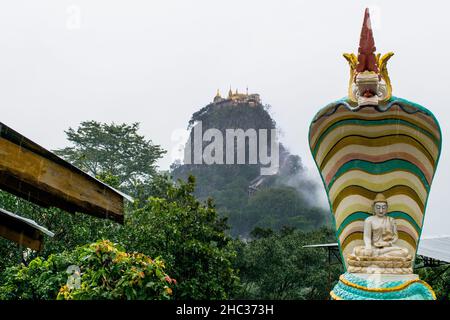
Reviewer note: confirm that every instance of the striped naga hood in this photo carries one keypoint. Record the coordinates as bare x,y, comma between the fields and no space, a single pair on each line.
391,148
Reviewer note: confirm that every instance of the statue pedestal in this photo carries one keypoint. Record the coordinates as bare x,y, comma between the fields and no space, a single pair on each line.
376,265
362,286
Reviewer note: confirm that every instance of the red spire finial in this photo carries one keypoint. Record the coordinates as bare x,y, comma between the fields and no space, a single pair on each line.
366,52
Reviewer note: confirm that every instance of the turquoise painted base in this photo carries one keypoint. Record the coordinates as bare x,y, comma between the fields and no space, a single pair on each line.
353,286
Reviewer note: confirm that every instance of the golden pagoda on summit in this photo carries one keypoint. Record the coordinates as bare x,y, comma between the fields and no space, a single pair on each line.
237,98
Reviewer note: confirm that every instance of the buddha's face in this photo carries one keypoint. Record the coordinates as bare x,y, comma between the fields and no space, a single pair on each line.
380,208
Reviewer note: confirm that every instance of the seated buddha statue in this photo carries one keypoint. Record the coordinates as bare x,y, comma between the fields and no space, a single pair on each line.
379,253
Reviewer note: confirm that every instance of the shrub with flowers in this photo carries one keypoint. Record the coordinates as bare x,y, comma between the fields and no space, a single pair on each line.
106,271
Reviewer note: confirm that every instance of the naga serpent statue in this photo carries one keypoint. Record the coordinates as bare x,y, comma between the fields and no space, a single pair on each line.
377,155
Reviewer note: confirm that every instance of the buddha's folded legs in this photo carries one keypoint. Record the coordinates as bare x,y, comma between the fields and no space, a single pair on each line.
391,252
361,251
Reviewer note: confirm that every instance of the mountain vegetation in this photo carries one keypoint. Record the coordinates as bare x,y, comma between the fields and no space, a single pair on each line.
247,198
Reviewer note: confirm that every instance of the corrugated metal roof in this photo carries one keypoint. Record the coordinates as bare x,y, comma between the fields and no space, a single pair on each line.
24,142
30,222
331,245
435,247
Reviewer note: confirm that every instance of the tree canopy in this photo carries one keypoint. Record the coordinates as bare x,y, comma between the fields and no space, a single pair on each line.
116,150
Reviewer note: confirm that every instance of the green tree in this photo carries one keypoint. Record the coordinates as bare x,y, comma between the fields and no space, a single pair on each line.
191,238
281,206
117,150
276,266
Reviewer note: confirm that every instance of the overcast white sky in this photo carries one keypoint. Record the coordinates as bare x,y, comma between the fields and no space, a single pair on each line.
157,62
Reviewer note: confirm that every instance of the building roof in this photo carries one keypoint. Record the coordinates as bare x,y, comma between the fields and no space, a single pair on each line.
437,247
23,231
27,221
34,173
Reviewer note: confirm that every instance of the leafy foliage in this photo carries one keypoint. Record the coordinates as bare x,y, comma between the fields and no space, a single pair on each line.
192,239
106,150
438,278
187,234
71,230
107,272
277,207
276,266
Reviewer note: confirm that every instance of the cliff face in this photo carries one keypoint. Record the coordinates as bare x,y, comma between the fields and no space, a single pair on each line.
241,193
